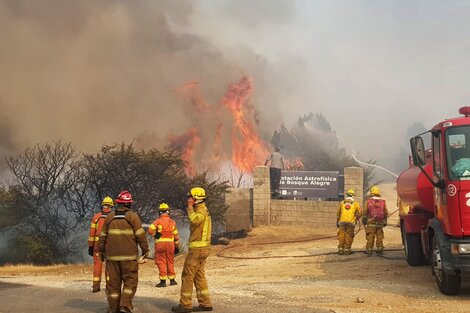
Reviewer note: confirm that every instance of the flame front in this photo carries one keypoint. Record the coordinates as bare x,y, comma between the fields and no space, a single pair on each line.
240,143
248,150
186,145
193,92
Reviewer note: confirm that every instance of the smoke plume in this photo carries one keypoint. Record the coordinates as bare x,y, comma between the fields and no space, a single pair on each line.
99,72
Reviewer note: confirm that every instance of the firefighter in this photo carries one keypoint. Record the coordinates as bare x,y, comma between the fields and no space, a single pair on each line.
348,212
166,245
95,230
277,164
375,219
121,233
199,249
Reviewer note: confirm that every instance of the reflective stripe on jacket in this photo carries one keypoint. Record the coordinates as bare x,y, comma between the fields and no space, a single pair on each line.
348,212
166,226
122,231
200,229
95,227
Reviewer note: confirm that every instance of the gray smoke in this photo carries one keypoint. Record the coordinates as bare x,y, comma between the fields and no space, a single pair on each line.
97,72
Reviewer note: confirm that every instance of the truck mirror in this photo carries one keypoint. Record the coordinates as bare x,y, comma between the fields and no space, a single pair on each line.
418,150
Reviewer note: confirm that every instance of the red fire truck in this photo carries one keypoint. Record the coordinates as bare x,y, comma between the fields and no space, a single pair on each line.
436,189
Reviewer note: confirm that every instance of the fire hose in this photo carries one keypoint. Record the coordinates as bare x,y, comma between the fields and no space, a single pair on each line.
221,254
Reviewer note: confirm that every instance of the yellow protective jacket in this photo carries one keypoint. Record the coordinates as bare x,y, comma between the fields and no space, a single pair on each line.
200,229
121,233
348,212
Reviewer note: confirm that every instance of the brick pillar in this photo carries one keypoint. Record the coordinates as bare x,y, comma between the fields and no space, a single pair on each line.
354,179
261,196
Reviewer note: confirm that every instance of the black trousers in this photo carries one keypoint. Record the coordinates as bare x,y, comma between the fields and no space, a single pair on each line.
275,178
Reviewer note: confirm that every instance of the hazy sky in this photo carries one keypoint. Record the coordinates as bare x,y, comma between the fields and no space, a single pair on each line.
99,72
373,68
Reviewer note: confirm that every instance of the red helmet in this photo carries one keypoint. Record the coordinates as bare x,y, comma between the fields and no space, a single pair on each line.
124,197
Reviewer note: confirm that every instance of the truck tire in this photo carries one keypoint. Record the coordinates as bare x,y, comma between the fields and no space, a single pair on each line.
413,249
402,231
449,284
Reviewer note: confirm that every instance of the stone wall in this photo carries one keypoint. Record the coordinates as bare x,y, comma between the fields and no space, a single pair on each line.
240,211
305,212
354,179
254,207
268,211
261,196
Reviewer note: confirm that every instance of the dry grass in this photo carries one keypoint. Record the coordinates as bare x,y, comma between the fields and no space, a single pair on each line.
30,269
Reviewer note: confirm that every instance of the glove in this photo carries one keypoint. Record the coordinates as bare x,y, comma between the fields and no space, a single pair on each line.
90,251
177,250
337,224
385,223
158,235
364,221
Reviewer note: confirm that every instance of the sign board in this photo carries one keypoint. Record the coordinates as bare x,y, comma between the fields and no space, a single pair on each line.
309,184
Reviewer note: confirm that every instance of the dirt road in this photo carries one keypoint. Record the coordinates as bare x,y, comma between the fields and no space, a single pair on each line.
304,282
328,283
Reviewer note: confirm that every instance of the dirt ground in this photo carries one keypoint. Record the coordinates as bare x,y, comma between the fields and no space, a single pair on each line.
299,283
301,276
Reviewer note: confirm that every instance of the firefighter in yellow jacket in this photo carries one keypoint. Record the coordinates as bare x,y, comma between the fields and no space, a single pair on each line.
349,211
121,233
199,249
95,230
374,220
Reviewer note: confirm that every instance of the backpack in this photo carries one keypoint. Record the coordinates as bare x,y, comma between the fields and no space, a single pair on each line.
376,210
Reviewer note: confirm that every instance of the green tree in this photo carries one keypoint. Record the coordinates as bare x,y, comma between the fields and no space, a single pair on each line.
55,190
151,176
313,140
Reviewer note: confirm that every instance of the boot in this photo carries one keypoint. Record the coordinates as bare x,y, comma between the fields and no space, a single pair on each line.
202,308
340,251
173,282
347,251
369,252
161,284
180,309
96,289
125,309
380,252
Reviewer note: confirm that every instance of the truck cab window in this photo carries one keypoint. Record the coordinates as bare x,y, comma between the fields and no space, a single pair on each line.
458,152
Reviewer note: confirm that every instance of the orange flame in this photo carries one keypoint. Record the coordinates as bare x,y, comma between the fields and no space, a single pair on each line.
248,150
186,144
296,165
216,153
193,92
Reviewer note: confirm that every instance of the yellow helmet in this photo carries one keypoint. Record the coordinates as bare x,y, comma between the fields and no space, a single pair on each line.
107,201
350,193
198,193
374,190
164,207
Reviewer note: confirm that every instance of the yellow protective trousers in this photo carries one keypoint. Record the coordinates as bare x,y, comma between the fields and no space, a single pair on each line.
121,274
194,274
345,236
374,234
